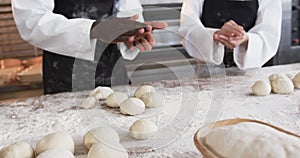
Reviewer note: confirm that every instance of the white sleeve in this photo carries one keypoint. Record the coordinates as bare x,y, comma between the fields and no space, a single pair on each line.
129,8
38,25
198,40
264,37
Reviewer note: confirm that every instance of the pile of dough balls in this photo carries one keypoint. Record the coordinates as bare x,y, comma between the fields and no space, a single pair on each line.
279,83
55,145
104,142
97,94
144,97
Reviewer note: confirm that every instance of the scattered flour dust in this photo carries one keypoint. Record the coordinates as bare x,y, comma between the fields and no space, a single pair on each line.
31,119
187,109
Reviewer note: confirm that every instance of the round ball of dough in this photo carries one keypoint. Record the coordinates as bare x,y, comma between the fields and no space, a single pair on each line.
89,102
115,99
56,153
132,106
276,76
143,90
112,150
18,150
296,81
101,92
101,134
60,140
95,91
282,85
143,129
153,99
261,88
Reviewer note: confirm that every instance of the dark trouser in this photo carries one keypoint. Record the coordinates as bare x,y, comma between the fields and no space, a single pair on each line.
66,74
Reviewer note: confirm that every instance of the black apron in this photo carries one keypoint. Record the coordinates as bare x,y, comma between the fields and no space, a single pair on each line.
65,74
217,12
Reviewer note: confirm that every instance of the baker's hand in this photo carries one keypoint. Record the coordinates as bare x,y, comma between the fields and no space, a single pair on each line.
232,29
231,42
146,41
143,43
118,29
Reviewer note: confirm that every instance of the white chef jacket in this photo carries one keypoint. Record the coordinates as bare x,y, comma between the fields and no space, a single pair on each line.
38,25
263,41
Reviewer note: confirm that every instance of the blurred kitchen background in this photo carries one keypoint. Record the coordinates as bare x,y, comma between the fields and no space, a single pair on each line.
18,58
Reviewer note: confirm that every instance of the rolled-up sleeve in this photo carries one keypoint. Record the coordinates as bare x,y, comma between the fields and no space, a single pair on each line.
264,37
38,25
197,39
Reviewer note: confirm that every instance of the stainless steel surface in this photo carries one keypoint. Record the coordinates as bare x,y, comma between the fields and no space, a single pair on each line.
287,53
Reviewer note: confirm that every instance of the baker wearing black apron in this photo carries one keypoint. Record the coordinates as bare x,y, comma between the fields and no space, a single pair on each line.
58,75
217,12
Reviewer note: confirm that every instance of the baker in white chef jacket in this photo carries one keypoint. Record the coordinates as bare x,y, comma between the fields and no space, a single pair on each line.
244,31
67,31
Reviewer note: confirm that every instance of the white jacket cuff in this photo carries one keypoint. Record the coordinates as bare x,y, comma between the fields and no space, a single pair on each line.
199,44
127,53
250,58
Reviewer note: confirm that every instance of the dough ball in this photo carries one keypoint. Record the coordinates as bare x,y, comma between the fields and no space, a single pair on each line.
95,91
143,129
101,92
296,81
276,76
261,88
56,153
115,99
132,106
18,150
111,150
153,99
143,90
101,134
282,85
89,102
60,140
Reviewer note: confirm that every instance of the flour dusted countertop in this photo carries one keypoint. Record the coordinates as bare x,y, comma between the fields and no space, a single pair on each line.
190,104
